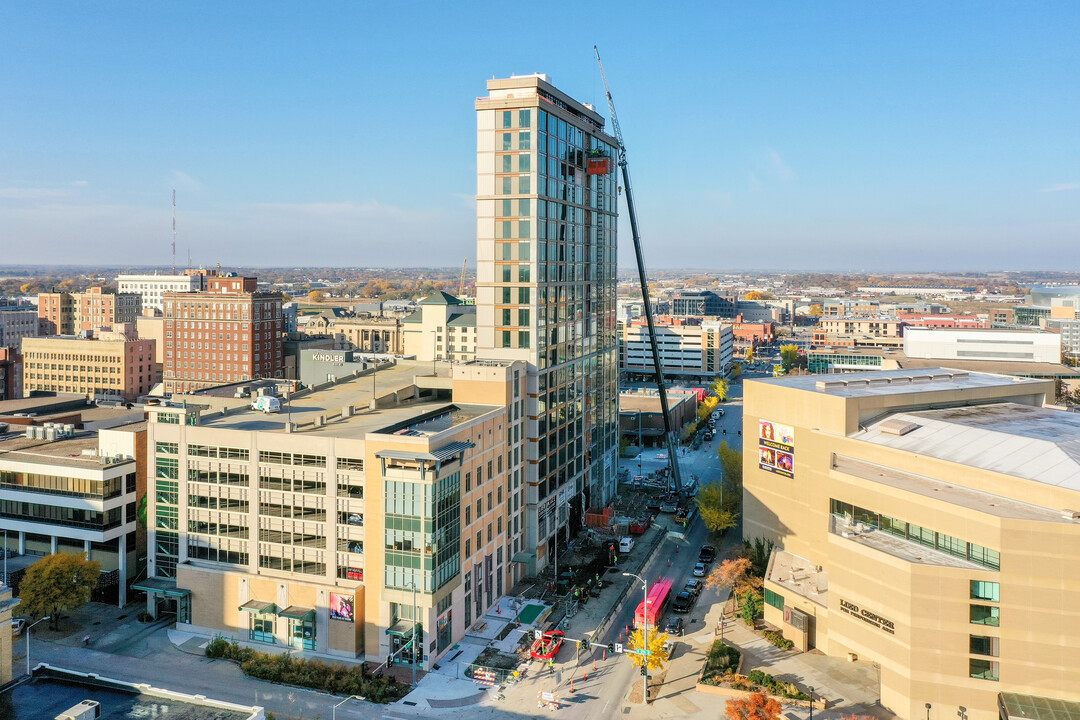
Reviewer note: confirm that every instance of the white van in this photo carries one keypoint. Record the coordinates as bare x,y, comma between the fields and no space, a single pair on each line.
626,544
267,404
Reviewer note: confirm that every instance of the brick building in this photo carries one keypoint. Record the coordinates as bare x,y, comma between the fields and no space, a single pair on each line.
229,333
61,313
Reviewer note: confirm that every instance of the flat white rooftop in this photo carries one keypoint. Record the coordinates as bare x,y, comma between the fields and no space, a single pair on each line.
1020,440
896,382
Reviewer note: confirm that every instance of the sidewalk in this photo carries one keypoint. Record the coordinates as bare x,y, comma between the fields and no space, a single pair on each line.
853,687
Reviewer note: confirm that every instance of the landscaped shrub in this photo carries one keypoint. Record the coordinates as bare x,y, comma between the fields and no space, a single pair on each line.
776,687
216,648
720,660
778,639
315,674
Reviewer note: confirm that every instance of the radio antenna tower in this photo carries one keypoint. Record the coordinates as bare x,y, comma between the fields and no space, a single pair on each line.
174,231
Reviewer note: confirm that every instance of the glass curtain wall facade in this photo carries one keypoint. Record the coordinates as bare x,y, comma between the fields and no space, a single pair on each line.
546,251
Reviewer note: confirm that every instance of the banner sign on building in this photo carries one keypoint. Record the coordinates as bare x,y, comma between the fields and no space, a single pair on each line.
776,448
341,607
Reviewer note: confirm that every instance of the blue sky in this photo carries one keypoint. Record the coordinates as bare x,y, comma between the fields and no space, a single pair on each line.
795,136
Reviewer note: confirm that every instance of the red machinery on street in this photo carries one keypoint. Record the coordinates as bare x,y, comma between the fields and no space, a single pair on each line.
547,646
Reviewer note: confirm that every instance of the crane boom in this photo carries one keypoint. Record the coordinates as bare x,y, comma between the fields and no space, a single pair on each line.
673,457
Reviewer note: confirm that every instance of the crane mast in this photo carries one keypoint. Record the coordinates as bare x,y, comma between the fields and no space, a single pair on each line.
673,458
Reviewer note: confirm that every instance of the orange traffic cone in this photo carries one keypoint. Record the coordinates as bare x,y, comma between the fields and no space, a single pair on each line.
571,684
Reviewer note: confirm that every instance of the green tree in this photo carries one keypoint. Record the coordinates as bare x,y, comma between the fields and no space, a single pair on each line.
758,553
57,583
720,387
753,604
657,656
710,503
736,371
789,355
750,354
731,460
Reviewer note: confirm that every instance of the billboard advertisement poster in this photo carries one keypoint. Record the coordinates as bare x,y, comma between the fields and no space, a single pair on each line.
341,607
776,448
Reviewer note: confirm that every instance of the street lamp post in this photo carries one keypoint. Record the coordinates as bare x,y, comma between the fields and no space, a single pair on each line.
644,635
28,629
333,712
927,711
811,702
414,634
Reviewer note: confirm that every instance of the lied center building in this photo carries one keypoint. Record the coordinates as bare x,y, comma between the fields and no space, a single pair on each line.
927,521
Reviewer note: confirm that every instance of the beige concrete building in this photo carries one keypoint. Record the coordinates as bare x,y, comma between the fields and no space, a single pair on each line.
313,529
109,366
443,328
6,636
78,493
152,327
690,347
925,521
365,332
151,289
873,326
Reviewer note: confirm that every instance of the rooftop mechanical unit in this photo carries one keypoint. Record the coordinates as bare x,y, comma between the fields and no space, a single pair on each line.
86,710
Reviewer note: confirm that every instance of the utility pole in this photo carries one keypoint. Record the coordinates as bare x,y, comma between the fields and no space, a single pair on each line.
174,231
644,637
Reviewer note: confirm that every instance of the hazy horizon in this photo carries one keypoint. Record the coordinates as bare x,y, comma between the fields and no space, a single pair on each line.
835,137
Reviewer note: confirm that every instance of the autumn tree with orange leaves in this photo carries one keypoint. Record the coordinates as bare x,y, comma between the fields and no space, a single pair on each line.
733,574
758,706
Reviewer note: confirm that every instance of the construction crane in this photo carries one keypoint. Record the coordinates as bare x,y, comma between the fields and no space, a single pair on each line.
461,285
673,457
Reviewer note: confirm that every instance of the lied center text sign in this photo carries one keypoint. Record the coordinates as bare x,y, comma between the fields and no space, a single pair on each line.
867,616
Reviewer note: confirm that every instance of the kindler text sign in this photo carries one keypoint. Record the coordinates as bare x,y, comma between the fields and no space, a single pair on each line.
868,617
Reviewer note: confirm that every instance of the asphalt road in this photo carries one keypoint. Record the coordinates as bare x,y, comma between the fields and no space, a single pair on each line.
602,696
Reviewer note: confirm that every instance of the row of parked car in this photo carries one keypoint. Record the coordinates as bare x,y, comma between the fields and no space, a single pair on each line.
684,601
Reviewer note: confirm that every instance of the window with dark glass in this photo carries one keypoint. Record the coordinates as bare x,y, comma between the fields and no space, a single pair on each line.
985,615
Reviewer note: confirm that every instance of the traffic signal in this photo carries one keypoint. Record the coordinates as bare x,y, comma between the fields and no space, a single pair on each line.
585,645
611,647
642,669
390,660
